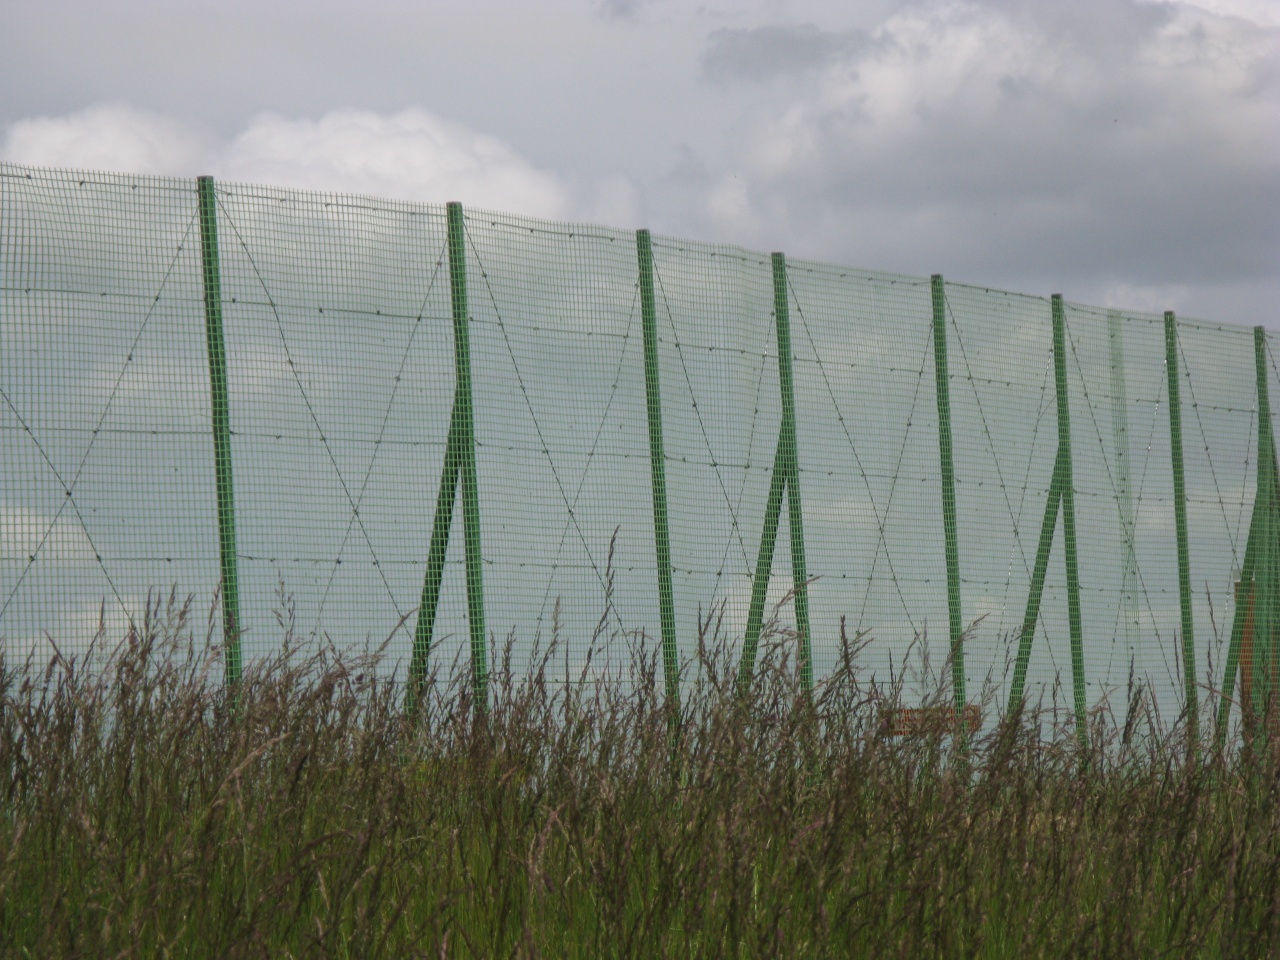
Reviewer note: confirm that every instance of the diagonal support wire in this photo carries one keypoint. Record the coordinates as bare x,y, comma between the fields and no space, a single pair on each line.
537,426
882,521
382,429
68,489
311,412
702,427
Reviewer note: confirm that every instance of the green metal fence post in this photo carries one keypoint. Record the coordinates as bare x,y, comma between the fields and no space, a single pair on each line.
1243,600
799,570
764,568
1180,525
951,540
1247,591
425,629
1266,574
459,470
657,468
1267,562
467,455
1038,573
795,518
225,491
1069,518
1061,495
786,475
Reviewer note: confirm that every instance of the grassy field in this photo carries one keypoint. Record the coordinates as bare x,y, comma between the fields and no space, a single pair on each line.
146,814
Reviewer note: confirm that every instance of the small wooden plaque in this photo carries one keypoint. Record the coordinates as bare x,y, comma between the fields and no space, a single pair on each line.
925,721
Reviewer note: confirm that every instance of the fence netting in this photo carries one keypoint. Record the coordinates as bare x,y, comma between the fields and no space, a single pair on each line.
341,376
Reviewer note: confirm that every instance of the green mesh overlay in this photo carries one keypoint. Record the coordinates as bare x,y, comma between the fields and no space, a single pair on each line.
591,352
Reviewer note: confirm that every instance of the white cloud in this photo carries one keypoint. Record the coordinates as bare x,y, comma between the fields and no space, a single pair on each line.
411,155
1149,299
109,137
1008,142
111,617
779,606
1086,147
25,532
76,627
1260,12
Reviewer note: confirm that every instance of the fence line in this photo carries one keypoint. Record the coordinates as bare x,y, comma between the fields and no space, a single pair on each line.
605,421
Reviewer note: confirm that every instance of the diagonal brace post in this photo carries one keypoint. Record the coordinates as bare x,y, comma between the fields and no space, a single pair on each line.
1061,497
1266,572
1259,528
459,471
1038,573
425,628
785,478
1067,487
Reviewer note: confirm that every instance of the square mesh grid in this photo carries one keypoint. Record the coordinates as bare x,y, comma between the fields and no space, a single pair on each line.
341,375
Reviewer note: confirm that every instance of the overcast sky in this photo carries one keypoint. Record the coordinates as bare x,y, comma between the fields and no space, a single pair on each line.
1121,152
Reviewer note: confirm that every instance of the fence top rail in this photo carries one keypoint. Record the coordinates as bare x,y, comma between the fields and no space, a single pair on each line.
798,267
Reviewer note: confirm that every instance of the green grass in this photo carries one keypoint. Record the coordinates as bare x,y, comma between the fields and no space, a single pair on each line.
144,814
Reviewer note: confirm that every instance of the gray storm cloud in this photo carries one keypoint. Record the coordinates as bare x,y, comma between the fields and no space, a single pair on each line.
1142,149
1120,151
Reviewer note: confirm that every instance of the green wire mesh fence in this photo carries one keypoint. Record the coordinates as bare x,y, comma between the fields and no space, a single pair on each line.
478,434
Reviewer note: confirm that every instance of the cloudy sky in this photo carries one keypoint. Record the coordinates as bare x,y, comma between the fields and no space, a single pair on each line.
1119,151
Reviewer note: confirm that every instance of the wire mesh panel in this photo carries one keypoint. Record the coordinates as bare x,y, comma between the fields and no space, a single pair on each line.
869,467
832,407
721,414
106,483
560,442
1220,438
339,355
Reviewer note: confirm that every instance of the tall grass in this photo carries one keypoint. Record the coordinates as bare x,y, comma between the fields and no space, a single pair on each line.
147,814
